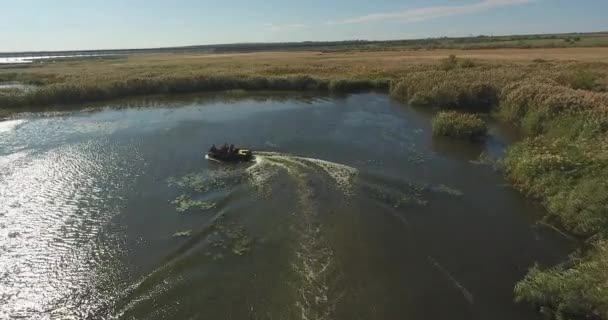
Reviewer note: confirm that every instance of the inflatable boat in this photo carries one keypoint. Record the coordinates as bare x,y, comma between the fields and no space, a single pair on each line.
234,155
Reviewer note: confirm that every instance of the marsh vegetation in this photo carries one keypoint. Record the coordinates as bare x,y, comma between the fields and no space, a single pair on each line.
559,105
458,125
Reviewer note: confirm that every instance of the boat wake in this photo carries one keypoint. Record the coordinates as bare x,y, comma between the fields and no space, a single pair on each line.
313,260
267,163
310,190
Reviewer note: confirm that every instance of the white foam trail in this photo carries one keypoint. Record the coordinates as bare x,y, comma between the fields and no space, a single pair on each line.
343,176
466,293
314,258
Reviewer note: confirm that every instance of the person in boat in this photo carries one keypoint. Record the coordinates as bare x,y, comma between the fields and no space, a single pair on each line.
231,149
224,149
213,149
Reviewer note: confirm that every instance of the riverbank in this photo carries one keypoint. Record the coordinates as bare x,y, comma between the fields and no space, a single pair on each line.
558,97
562,162
80,81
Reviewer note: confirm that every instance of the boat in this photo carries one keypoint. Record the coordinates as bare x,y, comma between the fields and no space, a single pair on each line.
234,155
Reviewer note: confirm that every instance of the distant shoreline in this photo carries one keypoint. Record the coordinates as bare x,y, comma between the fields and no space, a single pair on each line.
558,40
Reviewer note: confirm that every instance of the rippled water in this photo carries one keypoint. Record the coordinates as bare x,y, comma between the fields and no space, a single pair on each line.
352,210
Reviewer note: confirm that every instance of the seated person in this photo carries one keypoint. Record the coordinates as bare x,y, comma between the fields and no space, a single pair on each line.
224,148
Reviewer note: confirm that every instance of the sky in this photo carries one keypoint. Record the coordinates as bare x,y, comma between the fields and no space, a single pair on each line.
37,25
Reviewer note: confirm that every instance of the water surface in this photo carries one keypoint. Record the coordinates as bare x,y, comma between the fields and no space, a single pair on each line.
34,58
351,211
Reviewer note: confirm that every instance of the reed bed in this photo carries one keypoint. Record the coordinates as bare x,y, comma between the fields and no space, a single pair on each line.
458,125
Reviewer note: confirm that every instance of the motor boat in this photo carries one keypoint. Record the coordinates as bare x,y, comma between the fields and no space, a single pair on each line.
229,154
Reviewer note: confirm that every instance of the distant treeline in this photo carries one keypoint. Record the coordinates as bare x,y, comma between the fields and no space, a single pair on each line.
473,42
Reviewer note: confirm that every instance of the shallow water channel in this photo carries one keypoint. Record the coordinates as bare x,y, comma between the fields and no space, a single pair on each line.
352,210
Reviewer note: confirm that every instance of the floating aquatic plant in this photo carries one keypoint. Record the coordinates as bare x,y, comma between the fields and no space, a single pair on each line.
184,203
396,196
211,180
442,188
230,237
182,234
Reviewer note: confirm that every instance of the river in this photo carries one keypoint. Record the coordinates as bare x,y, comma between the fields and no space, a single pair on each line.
352,210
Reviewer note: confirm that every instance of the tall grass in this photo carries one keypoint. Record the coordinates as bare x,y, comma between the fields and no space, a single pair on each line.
447,89
534,104
564,163
569,291
70,93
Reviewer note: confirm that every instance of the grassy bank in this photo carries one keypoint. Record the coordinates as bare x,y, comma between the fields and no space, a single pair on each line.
563,163
561,105
73,93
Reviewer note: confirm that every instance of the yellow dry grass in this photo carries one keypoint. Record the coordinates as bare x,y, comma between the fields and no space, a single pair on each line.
392,64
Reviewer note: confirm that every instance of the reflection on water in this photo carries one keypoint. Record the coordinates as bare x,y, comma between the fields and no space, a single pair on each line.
54,209
30,59
10,125
350,210
15,86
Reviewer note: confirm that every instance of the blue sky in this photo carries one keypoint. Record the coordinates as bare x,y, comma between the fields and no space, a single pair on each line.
76,24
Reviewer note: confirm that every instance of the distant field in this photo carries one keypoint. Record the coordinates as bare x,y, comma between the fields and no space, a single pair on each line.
520,42
569,40
383,64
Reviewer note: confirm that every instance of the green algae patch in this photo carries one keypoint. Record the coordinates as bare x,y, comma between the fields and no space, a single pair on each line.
185,203
195,181
229,237
442,188
208,181
241,243
395,196
182,234
458,125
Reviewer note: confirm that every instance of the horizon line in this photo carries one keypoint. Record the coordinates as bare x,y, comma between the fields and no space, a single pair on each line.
4,53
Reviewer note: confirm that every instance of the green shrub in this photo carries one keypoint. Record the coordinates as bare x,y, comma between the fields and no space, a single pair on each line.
577,290
458,125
